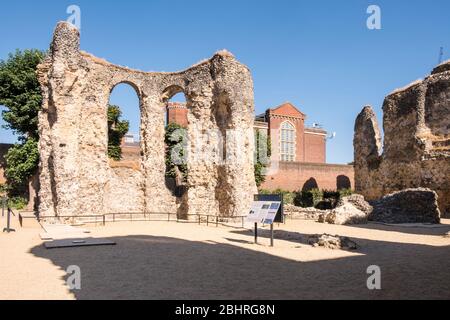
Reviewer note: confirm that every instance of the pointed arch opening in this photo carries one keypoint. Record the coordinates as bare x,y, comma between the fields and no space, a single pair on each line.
124,126
175,140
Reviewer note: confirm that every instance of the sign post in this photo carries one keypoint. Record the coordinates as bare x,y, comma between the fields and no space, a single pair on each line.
271,234
3,206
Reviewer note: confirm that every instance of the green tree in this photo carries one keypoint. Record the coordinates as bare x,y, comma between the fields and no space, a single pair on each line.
176,140
20,93
21,162
263,151
117,129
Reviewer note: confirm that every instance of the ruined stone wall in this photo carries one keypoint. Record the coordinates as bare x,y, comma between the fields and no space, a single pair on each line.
416,150
75,175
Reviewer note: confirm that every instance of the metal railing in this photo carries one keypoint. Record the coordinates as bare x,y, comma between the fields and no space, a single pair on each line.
112,217
147,216
219,220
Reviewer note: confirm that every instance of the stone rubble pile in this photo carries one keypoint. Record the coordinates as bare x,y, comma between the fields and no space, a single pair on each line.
417,205
344,214
349,210
295,212
332,242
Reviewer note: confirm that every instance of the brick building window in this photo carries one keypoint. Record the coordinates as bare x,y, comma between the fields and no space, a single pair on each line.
287,142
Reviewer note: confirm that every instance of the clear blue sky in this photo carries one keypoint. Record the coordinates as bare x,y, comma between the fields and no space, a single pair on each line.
319,55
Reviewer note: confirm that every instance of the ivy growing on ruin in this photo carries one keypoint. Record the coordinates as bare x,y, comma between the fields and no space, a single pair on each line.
117,129
175,138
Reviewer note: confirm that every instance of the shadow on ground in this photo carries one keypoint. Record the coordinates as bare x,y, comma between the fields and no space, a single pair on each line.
419,229
432,229
148,267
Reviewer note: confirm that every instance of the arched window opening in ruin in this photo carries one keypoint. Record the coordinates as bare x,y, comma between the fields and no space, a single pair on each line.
124,119
176,122
287,142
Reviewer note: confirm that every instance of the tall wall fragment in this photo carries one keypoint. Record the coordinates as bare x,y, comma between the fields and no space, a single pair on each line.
75,175
416,150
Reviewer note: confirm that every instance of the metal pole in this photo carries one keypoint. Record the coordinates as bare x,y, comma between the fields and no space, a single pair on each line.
207,220
3,206
8,222
242,218
256,232
271,235
104,222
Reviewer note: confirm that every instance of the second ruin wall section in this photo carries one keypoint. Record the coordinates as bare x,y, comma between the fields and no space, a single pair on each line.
416,146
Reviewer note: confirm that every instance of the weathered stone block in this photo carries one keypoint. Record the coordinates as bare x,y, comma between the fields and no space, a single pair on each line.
357,201
407,206
346,213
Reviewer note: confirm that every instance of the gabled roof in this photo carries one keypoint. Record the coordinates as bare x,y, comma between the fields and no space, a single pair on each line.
287,109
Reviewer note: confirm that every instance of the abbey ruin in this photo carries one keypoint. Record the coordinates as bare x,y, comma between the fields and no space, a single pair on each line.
416,148
75,175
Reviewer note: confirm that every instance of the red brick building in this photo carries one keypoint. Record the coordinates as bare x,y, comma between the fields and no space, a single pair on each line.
298,157
4,147
177,113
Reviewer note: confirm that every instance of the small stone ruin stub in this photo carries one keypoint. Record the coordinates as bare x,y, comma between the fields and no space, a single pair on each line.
75,175
416,150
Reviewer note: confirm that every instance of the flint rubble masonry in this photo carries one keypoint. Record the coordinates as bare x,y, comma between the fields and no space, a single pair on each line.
416,151
75,176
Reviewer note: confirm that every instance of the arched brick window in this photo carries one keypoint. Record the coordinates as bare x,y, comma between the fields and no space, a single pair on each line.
287,142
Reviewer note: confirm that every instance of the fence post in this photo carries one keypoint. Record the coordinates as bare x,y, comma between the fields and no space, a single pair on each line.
104,220
3,206
8,222
242,218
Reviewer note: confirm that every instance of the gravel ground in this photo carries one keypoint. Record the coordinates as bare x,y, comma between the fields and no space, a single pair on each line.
169,260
